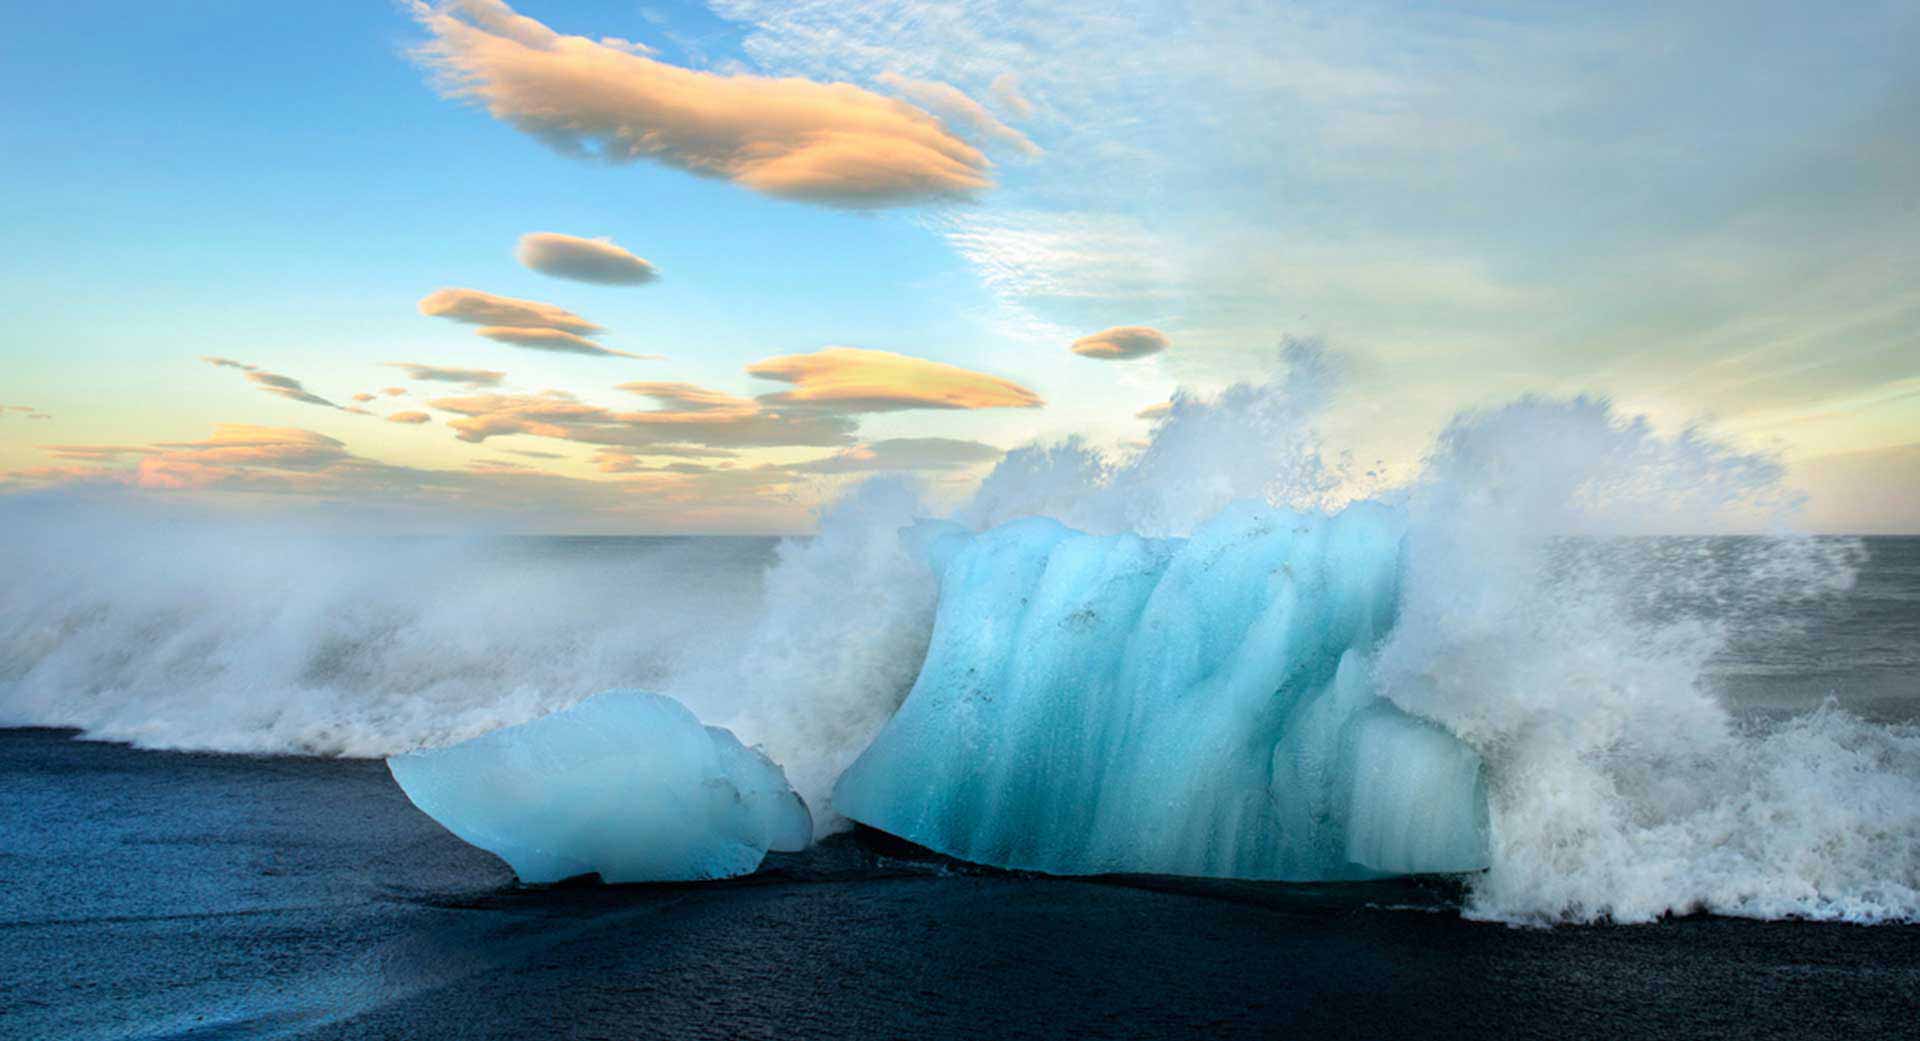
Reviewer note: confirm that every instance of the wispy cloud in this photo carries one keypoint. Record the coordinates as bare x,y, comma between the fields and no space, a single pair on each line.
412,418
477,308
520,323
831,143
598,261
97,453
272,382
557,340
690,415
446,374
287,387
633,460
255,461
853,379
1027,255
236,453
1006,92
953,105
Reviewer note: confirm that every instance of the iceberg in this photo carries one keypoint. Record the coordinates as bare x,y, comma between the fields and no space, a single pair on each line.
1200,706
626,784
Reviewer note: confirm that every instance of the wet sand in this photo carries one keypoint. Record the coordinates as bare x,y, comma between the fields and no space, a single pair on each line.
159,894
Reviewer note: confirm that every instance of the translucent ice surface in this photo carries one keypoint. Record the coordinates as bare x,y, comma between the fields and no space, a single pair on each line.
1196,706
627,784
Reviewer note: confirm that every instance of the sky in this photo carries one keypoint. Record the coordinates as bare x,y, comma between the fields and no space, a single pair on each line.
582,265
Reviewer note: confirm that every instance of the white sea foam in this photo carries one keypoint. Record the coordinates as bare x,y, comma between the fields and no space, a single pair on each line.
1620,787
233,638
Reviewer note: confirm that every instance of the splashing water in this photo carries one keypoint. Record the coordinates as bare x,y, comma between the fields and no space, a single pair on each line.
1621,787
1548,618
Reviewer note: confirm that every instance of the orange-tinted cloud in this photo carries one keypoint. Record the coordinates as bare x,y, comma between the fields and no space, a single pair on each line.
853,379
1121,342
283,447
584,260
233,450
690,416
96,453
255,460
554,340
237,457
690,397
363,397
628,460
444,374
272,382
1154,411
414,418
393,392
793,138
287,387
477,308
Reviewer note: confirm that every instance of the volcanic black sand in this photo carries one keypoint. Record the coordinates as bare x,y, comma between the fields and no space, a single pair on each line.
155,894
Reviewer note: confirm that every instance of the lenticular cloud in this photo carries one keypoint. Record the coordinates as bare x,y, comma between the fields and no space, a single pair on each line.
831,143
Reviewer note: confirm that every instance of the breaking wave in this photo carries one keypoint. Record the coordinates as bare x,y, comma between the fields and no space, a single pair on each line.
1560,614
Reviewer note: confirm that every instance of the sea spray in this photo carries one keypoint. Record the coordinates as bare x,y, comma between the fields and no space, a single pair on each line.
1621,787
1251,441
835,641
1577,662
236,637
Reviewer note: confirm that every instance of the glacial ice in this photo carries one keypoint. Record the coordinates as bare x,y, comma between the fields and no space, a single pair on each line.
626,784
1200,706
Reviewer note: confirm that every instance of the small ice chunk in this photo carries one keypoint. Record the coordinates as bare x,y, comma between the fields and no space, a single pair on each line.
626,784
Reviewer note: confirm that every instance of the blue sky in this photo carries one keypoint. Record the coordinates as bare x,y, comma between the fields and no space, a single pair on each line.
1707,214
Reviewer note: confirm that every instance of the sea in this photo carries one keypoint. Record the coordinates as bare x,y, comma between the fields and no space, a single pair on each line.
199,838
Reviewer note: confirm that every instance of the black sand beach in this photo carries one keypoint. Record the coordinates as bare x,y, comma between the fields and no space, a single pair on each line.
169,895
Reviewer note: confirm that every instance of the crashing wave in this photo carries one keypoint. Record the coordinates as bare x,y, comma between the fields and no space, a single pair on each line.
1587,674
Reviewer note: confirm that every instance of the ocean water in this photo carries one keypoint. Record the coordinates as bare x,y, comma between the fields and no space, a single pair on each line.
154,893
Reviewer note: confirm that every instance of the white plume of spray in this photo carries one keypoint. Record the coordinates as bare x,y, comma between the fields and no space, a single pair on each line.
194,634
1572,656
1621,788
1252,441
833,648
